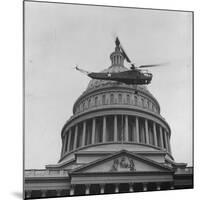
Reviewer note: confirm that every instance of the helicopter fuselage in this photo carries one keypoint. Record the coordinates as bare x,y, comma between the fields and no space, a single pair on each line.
133,76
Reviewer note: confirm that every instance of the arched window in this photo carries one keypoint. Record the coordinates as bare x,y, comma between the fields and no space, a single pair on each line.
142,102
147,104
104,99
89,103
112,99
128,99
96,101
81,107
120,98
135,100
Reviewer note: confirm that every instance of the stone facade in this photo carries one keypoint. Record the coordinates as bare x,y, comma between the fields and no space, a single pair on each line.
116,141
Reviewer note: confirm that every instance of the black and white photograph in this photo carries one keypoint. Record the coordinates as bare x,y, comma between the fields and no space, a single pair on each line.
108,100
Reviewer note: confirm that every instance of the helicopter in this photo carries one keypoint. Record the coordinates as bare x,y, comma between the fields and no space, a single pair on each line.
133,76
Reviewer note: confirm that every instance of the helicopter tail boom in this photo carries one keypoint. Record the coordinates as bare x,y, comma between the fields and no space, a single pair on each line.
82,71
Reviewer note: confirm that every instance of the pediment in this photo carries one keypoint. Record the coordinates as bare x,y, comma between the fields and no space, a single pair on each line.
123,161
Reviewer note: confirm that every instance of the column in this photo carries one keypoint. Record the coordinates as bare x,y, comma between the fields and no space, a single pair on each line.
84,130
144,187
137,129
87,189
64,143
93,130
72,190
116,188
146,131
115,128
102,186
166,144
157,186
161,137
75,137
43,193
134,130
126,128
69,138
155,134
131,187
28,194
168,141
104,129
58,193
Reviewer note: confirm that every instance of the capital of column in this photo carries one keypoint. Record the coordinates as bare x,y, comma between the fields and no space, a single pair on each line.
28,193
58,193
87,189
43,193
131,187
72,190
144,187
158,186
102,186
172,186
116,188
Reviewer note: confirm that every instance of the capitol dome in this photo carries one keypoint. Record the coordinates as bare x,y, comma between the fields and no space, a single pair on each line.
114,116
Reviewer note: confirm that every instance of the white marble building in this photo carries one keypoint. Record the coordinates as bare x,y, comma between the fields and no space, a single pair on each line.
116,141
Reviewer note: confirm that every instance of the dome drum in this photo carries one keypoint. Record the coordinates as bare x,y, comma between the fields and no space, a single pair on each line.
117,96
116,110
113,97
115,128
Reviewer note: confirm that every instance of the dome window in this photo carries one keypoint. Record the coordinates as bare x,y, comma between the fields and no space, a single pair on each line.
96,101
147,104
120,98
104,99
89,103
112,99
128,99
142,102
135,99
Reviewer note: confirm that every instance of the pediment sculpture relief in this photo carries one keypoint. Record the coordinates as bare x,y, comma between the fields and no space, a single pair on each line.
123,164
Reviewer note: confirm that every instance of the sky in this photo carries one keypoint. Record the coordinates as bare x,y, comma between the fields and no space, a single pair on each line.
59,36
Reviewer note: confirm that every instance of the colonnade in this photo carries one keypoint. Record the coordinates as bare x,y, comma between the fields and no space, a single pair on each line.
116,128
44,193
87,189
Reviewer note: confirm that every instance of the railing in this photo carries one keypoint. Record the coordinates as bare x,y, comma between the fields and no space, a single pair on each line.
187,170
44,172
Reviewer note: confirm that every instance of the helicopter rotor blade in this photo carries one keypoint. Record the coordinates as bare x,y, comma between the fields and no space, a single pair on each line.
153,65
